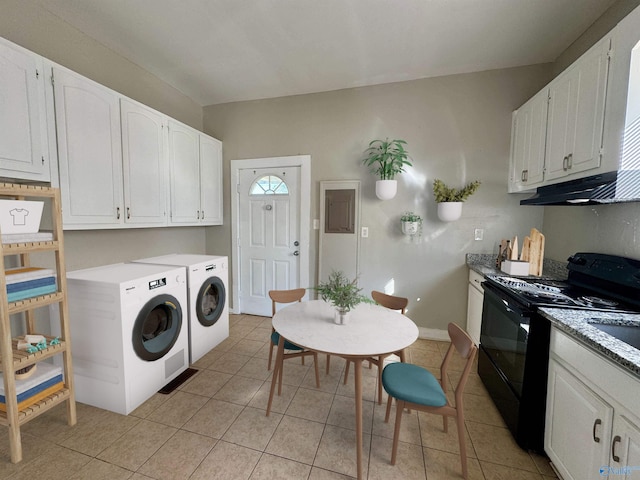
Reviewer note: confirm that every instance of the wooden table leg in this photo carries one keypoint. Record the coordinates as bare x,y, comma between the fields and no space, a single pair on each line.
357,365
277,370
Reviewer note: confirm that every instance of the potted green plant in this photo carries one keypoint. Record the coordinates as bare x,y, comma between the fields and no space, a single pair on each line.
411,223
342,293
450,199
386,158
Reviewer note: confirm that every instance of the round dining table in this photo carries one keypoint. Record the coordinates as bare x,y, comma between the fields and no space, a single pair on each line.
370,331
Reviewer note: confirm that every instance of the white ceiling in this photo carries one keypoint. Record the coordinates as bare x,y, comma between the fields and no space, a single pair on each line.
218,51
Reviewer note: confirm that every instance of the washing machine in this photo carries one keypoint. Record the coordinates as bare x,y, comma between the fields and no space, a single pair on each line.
129,332
207,278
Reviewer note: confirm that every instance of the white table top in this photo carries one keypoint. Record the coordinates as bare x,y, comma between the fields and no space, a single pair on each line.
371,330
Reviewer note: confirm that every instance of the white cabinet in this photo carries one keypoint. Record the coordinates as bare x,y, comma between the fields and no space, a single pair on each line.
144,164
196,181
575,124
475,299
24,151
89,151
528,137
592,413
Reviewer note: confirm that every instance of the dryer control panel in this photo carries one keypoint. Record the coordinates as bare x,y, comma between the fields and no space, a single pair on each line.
160,282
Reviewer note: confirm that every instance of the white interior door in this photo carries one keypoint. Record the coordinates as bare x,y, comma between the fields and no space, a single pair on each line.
269,235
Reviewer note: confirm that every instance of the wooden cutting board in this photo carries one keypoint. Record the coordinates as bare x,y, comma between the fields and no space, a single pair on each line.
514,248
524,254
536,252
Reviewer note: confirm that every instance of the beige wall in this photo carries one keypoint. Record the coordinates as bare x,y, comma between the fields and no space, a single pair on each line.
25,23
457,129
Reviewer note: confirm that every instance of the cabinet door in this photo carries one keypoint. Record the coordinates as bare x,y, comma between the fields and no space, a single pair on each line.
529,130
184,160
475,299
23,130
625,445
210,180
144,164
578,426
576,114
89,149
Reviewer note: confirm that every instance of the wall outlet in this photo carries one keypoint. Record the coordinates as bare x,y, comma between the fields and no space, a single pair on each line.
364,232
316,224
478,234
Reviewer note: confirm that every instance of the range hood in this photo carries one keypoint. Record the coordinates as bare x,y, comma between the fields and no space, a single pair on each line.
610,187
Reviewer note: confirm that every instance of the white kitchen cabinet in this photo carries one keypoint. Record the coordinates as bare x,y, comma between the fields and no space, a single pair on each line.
210,180
575,124
24,149
475,298
528,137
196,182
592,413
144,164
89,151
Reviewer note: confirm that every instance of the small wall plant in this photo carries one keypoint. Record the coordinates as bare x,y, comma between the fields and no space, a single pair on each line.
411,217
443,193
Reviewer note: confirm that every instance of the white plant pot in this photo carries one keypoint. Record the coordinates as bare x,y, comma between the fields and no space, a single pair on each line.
410,228
340,317
449,211
386,189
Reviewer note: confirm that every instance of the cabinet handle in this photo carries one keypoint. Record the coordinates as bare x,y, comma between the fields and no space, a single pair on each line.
198,214
569,161
118,213
565,163
595,425
615,457
202,215
128,213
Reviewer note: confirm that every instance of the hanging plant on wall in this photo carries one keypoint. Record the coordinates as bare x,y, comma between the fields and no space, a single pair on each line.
386,158
450,199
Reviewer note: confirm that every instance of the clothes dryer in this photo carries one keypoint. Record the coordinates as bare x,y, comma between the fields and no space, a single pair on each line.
207,278
129,332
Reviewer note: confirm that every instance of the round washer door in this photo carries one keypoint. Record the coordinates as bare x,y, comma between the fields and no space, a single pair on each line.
157,327
210,301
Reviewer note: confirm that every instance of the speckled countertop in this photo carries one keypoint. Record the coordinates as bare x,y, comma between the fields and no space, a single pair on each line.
576,322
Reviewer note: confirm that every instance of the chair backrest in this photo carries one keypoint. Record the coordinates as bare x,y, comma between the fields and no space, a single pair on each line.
389,301
285,296
464,345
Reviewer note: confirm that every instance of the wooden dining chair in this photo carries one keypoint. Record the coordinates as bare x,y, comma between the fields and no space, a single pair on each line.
291,350
416,388
392,303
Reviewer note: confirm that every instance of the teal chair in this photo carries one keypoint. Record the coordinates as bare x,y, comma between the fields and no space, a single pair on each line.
416,388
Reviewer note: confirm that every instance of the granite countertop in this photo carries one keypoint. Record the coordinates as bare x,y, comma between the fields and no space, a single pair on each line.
576,324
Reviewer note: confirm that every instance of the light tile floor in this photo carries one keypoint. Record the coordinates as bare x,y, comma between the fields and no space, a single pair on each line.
214,427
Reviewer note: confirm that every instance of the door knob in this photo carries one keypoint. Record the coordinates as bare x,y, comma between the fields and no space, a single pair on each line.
296,243
296,253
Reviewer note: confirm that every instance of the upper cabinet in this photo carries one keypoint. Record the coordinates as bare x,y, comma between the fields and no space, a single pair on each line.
560,131
196,177
528,137
89,151
124,164
576,114
24,150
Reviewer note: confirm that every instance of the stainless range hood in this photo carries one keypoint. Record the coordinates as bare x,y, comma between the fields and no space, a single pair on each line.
610,187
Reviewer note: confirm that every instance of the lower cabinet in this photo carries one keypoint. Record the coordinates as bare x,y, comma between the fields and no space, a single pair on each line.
592,414
475,298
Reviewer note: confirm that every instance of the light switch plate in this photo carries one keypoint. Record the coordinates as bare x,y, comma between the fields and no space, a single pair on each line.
478,234
364,232
316,224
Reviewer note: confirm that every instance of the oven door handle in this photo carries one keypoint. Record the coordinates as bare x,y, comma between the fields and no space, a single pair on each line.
511,309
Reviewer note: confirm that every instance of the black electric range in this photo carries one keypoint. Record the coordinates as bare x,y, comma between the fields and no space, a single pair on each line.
514,338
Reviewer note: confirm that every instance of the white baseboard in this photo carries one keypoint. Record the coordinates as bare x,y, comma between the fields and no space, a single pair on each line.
433,334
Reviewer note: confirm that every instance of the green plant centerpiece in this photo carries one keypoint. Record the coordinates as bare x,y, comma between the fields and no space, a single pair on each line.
342,293
386,158
443,193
